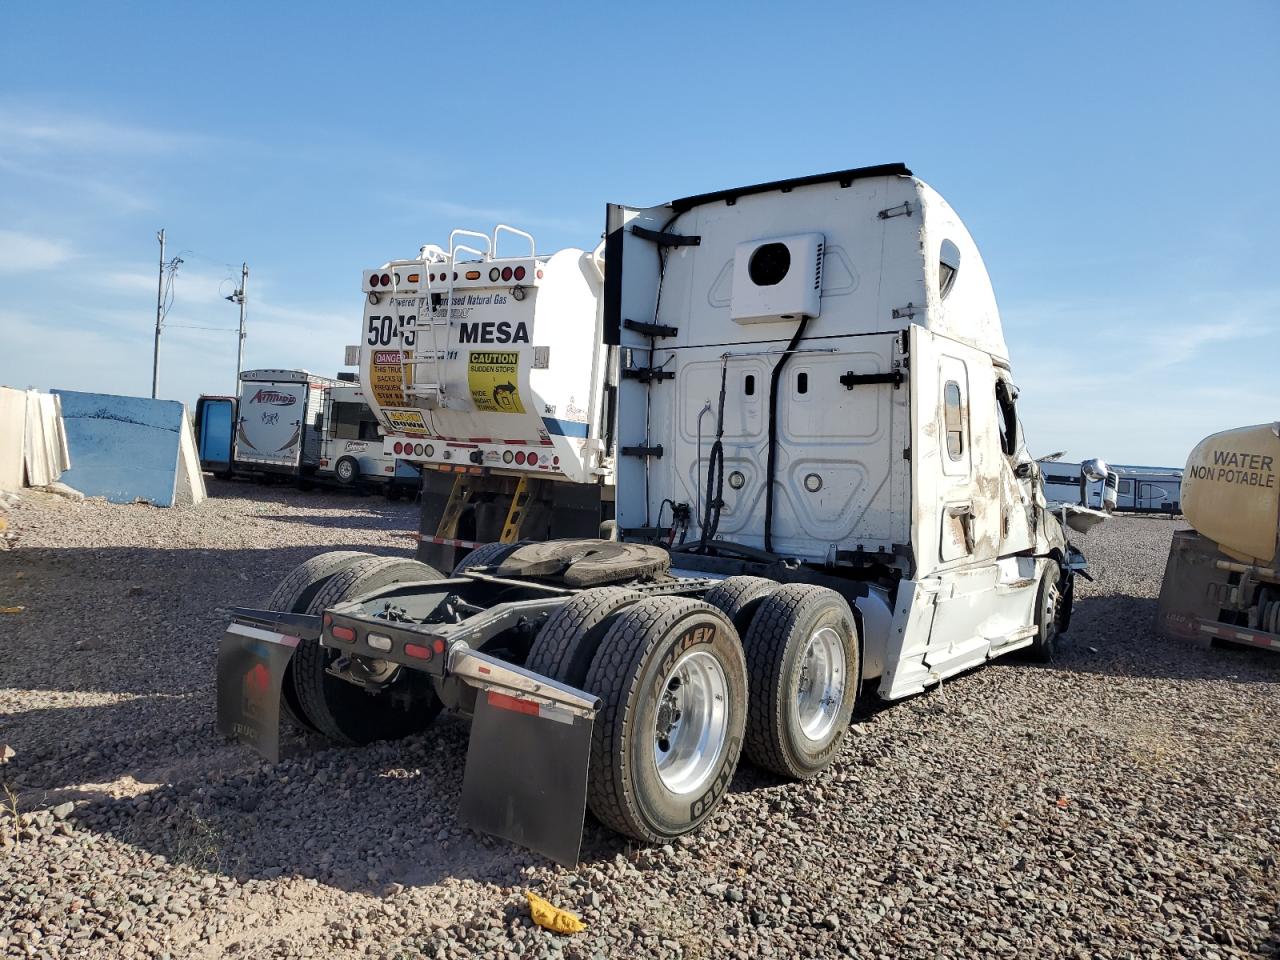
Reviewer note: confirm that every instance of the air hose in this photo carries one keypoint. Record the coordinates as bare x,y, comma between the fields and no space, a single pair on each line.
715,468
771,460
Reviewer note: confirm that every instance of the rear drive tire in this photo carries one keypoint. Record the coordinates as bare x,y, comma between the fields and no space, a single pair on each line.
740,597
340,710
1048,611
567,643
668,736
802,654
346,471
293,595
485,555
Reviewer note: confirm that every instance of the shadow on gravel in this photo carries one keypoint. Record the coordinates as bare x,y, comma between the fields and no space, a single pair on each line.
364,519
108,671
1115,636
356,819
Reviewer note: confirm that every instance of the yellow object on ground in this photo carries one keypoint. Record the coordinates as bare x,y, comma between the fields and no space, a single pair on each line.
11,609
551,917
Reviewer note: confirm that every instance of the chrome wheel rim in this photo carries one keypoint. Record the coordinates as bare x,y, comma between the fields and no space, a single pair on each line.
692,722
821,685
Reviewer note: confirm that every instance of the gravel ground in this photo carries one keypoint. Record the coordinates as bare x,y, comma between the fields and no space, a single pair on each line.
1121,803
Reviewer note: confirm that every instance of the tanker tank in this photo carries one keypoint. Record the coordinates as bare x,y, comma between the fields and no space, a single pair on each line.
1222,580
489,373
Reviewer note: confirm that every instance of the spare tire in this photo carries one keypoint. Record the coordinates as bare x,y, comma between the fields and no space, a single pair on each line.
485,555
342,711
293,595
666,742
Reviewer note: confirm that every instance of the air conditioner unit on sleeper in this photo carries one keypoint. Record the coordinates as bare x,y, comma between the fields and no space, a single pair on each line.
778,278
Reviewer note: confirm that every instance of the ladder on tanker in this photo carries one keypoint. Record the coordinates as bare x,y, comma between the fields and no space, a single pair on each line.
422,363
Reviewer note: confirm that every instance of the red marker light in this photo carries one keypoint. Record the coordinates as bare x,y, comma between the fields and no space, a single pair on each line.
519,273
439,646
345,634
417,651
539,274
555,461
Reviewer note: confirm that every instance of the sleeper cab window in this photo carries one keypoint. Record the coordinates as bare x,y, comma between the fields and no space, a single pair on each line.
953,419
948,267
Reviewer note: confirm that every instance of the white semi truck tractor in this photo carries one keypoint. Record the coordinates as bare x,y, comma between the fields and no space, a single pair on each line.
489,372
823,494
1222,580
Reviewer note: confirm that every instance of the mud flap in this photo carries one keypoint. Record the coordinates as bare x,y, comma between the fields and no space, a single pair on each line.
251,668
526,775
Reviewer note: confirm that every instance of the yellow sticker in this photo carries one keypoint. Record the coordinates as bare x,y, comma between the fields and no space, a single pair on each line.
407,421
493,377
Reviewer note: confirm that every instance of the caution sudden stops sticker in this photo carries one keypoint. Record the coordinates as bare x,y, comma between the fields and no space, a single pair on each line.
493,377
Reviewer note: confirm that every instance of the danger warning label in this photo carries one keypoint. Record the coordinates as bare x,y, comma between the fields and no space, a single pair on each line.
386,378
493,377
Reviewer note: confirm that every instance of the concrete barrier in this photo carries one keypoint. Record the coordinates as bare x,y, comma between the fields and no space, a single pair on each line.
130,448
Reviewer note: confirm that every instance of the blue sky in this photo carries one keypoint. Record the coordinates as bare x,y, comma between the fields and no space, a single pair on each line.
1116,163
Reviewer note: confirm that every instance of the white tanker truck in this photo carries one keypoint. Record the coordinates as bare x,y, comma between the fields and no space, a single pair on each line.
823,494
1222,580
491,374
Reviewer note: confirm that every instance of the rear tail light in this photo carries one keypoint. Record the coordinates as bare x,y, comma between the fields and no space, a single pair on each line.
379,641
373,280
533,459
385,279
399,447
506,273
519,273
345,634
417,651
520,457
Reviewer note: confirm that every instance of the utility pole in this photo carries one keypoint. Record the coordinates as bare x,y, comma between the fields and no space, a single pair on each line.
238,297
155,356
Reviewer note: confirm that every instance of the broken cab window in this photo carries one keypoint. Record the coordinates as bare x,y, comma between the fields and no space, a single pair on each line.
953,415
1007,421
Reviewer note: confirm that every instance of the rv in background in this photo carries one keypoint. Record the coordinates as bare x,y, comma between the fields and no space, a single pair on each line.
297,425
1139,490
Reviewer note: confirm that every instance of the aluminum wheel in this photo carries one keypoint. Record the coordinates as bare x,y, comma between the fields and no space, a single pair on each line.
692,722
823,674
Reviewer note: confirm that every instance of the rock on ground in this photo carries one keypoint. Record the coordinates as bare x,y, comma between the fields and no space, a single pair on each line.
1119,803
